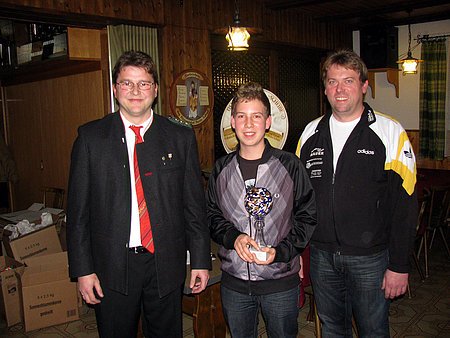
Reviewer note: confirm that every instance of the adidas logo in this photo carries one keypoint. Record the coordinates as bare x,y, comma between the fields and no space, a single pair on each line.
408,153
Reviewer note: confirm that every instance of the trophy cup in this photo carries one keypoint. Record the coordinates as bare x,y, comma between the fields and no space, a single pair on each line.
258,203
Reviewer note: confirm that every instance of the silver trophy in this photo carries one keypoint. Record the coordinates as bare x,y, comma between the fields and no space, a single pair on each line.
258,203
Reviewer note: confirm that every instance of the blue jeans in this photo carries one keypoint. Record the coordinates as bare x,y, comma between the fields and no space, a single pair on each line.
350,285
279,310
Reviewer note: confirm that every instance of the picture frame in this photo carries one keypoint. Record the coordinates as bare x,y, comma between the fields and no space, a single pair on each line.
191,97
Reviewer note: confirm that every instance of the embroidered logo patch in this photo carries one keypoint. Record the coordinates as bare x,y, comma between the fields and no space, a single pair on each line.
408,153
316,152
312,162
316,173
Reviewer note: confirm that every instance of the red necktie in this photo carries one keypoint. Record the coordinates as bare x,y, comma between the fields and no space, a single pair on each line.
144,219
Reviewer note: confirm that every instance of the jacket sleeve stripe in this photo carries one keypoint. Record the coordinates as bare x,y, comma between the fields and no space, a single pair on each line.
404,163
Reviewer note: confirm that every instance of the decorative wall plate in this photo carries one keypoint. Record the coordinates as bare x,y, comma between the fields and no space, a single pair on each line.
276,135
191,97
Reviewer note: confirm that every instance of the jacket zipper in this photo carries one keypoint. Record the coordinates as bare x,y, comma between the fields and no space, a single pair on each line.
333,207
250,226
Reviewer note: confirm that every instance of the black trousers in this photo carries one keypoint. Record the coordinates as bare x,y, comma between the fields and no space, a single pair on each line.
118,314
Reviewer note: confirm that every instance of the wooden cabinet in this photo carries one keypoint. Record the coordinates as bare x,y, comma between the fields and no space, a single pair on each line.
83,44
42,121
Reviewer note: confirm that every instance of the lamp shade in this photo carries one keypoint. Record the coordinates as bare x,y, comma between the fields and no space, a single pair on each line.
237,38
409,67
409,64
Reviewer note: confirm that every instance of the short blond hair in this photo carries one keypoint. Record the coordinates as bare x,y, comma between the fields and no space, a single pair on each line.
248,92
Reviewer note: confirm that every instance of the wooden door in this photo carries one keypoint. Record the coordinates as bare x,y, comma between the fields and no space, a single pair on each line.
67,102
43,126
24,134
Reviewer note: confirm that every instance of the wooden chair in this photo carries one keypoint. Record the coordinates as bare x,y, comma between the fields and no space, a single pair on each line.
53,197
313,316
437,214
420,234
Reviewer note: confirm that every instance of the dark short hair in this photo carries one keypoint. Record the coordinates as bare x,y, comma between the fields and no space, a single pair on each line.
348,59
135,59
248,92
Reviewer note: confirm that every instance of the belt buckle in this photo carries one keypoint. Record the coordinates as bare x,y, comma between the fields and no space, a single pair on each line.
138,250
134,249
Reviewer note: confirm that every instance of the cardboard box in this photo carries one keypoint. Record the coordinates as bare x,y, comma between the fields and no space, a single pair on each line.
49,297
11,305
41,242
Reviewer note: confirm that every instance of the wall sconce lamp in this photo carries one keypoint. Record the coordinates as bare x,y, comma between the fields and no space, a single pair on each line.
409,64
237,36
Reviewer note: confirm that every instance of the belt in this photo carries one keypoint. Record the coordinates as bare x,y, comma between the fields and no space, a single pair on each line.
138,250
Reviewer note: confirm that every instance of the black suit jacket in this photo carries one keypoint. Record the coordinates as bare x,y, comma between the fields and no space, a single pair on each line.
99,202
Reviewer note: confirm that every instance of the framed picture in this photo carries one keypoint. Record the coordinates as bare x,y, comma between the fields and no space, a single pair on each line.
191,97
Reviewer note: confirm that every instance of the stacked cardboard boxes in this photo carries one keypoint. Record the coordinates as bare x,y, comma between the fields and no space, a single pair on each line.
39,271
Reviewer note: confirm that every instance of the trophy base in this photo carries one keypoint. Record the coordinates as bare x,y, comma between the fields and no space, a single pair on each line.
260,255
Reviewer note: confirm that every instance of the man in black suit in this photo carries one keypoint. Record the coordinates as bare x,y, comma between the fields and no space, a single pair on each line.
117,273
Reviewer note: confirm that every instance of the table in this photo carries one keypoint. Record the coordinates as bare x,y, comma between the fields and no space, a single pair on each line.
206,307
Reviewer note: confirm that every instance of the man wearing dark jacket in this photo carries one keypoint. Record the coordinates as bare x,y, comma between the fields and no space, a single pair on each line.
363,171
135,205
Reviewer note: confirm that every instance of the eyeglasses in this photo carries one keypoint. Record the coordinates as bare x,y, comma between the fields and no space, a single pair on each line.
141,85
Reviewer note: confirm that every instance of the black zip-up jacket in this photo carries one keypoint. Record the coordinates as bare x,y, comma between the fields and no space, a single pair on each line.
288,226
368,204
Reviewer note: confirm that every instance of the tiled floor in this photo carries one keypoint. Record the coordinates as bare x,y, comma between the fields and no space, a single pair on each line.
425,315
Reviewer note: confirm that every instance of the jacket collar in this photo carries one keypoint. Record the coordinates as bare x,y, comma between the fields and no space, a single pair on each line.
367,118
267,153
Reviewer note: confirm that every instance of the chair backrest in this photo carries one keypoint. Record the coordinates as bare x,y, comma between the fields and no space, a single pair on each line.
53,197
423,206
439,206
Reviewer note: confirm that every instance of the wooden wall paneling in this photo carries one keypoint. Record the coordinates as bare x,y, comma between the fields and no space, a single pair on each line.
178,57
148,11
250,14
104,65
186,44
24,134
292,27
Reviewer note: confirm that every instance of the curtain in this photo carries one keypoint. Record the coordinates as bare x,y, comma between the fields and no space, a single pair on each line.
432,99
122,38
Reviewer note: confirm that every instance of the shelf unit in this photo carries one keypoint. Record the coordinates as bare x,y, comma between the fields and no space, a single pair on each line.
83,54
392,77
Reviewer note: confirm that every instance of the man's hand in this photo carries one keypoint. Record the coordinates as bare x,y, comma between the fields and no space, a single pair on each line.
394,284
242,245
86,285
199,280
301,273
